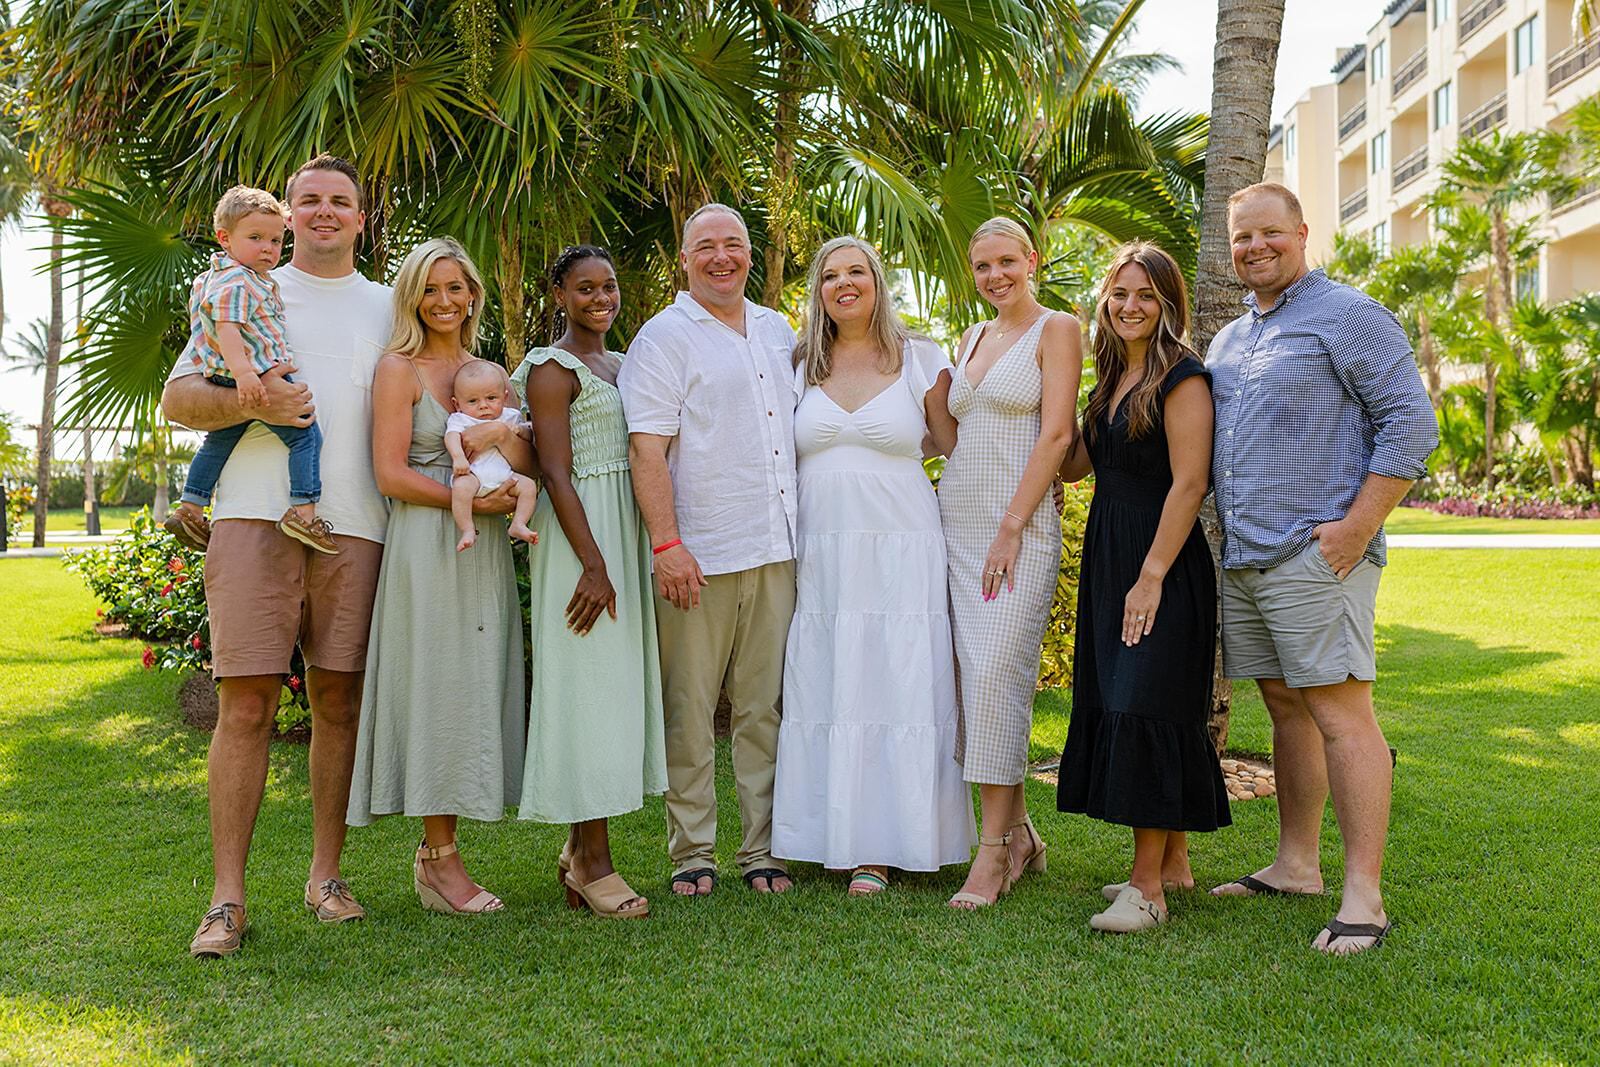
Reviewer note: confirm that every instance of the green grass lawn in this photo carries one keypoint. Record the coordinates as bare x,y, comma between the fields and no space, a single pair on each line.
1423,521
1490,689
64,520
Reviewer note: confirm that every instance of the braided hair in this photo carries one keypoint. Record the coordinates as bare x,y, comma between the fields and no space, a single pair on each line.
570,257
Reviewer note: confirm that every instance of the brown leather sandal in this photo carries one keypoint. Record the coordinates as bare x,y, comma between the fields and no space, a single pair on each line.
606,897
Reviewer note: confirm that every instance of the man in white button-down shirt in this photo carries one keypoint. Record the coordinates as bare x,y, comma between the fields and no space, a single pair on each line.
708,388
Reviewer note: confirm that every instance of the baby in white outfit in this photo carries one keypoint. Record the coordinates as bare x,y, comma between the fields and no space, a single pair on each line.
479,394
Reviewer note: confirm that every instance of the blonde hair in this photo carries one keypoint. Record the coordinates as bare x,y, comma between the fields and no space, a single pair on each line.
412,281
242,201
1282,192
1001,226
817,333
474,369
1168,346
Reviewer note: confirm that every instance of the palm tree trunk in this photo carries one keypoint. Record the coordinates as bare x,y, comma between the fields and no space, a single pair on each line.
513,302
52,378
782,196
1496,298
1236,155
91,506
163,496
1430,357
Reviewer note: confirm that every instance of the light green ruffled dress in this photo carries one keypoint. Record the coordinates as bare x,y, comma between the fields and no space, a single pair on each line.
442,726
595,736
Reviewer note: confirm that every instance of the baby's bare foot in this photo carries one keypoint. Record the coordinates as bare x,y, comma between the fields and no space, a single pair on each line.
522,533
468,539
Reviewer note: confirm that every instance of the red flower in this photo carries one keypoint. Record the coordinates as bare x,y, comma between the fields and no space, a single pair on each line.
167,589
175,564
149,657
294,683
195,643
99,613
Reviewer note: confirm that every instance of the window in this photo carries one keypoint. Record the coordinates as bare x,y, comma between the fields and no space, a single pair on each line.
1528,281
1380,238
1442,106
1378,64
1525,43
1441,11
1380,153
1289,133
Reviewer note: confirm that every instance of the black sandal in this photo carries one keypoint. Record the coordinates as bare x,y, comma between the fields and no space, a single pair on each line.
693,878
1258,888
769,873
1337,929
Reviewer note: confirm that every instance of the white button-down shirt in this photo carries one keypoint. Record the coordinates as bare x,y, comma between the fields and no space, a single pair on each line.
728,404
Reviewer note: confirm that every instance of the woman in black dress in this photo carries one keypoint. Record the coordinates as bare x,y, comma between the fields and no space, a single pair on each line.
1138,753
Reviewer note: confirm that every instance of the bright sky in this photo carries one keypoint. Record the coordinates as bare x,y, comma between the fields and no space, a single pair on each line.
1314,31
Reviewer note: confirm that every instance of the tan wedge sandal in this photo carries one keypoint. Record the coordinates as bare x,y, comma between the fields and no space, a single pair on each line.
974,900
606,897
433,900
1036,855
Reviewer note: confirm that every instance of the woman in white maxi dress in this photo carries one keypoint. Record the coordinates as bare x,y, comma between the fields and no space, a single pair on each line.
866,771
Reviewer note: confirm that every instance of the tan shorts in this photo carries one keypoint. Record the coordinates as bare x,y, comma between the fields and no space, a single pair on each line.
267,592
1299,622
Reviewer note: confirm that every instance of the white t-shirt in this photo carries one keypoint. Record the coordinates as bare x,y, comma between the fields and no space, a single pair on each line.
491,467
337,328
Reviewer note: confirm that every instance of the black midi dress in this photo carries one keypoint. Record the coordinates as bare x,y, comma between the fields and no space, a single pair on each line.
1138,753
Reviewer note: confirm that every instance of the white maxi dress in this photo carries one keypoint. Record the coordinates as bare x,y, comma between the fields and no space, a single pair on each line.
866,769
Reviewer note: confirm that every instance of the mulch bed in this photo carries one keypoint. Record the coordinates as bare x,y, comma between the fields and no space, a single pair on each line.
1244,776
197,703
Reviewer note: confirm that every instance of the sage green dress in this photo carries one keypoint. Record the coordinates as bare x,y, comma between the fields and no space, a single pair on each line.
595,736
443,723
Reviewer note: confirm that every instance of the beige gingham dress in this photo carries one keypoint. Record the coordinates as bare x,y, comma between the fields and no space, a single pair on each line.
997,643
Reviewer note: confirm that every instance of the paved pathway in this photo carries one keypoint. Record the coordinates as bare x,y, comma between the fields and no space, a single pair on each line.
1494,540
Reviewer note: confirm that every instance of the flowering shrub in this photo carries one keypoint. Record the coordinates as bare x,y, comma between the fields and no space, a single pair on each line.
1508,501
19,506
155,587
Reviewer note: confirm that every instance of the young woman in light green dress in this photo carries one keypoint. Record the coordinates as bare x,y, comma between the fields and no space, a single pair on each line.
442,715
595,734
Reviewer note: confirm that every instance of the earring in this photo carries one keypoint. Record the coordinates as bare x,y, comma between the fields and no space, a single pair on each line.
470,306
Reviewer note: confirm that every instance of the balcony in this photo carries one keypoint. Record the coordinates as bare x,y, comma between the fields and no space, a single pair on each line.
1352,206
1410,168
1585,193
1570,64
1353,120
1473,18
1409,71
1485,118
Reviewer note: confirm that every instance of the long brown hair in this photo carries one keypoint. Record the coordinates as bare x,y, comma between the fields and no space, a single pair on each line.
1168,345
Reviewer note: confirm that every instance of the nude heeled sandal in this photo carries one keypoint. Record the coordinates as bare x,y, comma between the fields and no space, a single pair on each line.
1036,857
606,897
1003,841
433,900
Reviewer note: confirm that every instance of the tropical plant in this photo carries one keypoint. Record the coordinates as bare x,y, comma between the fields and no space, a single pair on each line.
150,458
1558,391
13,453
1499,174
522,126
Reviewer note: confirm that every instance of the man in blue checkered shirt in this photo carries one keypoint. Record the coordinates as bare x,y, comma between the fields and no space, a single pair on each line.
1322,425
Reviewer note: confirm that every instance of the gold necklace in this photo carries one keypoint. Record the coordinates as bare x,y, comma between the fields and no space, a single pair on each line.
1002,333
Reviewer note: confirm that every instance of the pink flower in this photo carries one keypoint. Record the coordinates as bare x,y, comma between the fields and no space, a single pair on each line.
195,643
167,589
149,657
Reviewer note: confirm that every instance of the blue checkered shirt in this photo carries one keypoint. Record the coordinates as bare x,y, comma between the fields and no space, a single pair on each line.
1312,395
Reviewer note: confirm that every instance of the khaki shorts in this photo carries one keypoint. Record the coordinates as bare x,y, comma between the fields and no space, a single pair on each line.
1299,622
267,592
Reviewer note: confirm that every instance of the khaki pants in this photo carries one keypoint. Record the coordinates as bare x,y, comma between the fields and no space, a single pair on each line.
734,639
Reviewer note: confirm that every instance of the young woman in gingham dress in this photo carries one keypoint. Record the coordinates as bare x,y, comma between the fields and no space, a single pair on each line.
1014,393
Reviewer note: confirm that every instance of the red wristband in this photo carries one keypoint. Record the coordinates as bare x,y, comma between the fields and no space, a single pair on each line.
674,543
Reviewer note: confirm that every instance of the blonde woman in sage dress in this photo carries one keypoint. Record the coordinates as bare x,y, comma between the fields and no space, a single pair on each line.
596,743
443,717
1013,395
